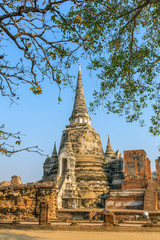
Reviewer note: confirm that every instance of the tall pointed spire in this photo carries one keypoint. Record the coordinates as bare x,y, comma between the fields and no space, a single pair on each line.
54,153
109,151
79,113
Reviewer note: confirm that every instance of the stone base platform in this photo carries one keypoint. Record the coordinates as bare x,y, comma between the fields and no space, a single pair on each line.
83,214
125,199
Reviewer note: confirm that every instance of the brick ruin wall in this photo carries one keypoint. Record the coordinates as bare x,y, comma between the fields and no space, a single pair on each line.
135,199
125,199
149,173
23,201
158,181
139,190
158,171
137,169
133,183
158,199
81,215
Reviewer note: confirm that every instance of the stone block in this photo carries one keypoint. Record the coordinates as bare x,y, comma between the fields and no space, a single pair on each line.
44,214
109,218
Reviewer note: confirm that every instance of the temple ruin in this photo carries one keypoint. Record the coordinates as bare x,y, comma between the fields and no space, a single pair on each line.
83,176
81,168
88,177
22,201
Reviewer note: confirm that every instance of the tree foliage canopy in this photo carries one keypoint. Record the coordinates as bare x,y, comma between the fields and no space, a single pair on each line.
121,39
130,70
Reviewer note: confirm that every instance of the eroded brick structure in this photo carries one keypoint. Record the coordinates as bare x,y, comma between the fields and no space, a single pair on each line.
125,199
139,190
158,181
137,169
150,196
23,201
158,170
109,218
16,180
44,214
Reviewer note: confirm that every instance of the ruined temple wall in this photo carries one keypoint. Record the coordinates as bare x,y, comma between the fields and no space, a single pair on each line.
125,199
158,199
23,201
158,170
135,199
137,169
139,190
136,164
133,183
149,174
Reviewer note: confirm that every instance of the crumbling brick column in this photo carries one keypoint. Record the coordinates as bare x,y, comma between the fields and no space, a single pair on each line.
44,214
158,170
137,169
109,218
150,196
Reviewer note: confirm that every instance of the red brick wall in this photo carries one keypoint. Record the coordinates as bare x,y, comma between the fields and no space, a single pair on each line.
150,196
137,169
149,174
158,170
133,183
158,199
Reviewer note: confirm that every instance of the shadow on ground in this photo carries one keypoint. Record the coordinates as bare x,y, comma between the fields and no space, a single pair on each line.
17,236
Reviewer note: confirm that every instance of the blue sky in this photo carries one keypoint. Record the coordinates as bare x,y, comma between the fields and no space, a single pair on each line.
41,119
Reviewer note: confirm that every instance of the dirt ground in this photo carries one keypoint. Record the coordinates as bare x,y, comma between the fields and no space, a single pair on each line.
7,234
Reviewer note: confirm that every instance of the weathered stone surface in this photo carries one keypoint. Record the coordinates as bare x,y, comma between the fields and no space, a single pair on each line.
23,201
113,167
5,183
16,180
85,167
125,199
81,147
109,218
44,214
84,140
50,166
109,151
